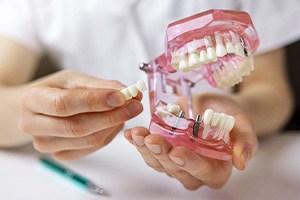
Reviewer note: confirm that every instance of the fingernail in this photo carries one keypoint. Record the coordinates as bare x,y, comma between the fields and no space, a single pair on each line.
115,100
134,108
177,160
139,140
154,148
246,156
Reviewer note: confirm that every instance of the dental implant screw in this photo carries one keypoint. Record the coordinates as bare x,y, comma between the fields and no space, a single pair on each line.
145,67
180,115
196,125
191,84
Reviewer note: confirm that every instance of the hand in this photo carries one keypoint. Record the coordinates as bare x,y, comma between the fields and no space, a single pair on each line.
191,169
70,114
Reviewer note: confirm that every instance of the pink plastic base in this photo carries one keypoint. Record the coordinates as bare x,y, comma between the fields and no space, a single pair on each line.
182,136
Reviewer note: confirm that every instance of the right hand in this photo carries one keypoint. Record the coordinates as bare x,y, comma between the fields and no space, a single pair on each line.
70,114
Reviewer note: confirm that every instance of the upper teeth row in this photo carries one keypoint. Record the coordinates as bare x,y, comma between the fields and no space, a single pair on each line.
133,90
190,56
224,124
233,71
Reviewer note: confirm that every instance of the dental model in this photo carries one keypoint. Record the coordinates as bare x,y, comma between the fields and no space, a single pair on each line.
216,46
132,91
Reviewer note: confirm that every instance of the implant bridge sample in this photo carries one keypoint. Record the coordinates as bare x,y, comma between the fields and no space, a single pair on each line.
133,90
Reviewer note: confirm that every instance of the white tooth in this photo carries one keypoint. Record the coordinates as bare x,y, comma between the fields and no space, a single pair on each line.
222,121
226,138
251,62
220,50
161,112
194,60
211,54
203,57
192,47
245,69
228,126
230,123
216,134
215,119
180,52
214,122
141,86
207,116
133,90
126,93
173,108
205,131
239,50
218,38
184,65
230,48
207,41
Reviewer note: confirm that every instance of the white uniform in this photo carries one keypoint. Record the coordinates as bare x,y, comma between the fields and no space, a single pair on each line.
108,39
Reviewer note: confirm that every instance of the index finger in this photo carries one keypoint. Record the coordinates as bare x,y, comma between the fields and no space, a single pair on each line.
68,102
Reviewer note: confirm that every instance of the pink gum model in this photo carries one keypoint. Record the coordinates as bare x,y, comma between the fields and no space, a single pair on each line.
217,46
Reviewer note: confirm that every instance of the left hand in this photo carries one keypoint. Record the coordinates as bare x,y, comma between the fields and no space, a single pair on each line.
191,169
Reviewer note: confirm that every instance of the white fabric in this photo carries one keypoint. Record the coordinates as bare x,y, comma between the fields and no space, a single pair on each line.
108,39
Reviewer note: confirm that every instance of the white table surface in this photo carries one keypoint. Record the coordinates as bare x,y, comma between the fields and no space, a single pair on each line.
273,174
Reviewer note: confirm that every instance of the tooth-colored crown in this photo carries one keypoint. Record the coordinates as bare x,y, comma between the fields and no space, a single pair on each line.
133,90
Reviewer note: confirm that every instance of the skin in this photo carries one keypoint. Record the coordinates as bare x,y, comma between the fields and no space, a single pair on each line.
67,114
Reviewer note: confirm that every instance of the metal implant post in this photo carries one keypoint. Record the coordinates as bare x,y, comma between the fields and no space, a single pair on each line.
196,126
144,67
174,127
180,115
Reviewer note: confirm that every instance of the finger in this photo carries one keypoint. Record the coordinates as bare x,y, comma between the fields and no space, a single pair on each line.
128,136
86,81
213,173
159,148
68,102
245,143
78,125
74,154
138,135
55,144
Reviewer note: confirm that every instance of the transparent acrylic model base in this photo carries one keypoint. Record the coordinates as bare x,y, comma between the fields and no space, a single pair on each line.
214,46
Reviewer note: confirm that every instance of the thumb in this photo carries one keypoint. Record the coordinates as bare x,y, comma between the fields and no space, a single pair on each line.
245,144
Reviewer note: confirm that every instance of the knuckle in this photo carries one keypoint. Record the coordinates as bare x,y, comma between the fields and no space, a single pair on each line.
75,127
108,140
95,139
112,119
60,103
92,100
